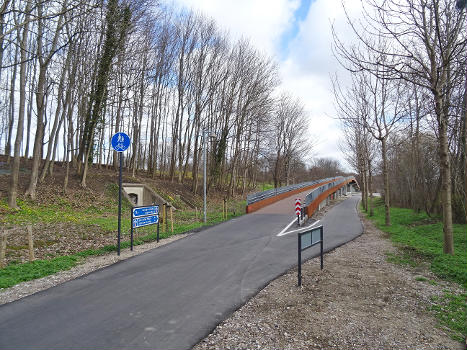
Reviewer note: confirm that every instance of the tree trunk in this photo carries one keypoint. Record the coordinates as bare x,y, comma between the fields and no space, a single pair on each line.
464,140
364,187
41,97
13,190
387,213
11,117
445,169
370,187
57,120
31,92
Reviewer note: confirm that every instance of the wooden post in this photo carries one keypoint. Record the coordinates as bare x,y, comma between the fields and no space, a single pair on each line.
196,213
171,220
166,223
30,243
163,217
2,249
223,209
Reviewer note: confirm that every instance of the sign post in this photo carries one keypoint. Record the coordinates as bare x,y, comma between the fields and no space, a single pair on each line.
120,143
143,216
308,239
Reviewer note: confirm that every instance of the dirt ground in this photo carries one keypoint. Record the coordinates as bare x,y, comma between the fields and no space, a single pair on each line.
97,180
359,301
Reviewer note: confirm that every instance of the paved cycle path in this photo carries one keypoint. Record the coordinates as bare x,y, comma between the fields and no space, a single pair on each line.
172,296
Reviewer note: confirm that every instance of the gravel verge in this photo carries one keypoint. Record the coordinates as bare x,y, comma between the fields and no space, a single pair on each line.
359,301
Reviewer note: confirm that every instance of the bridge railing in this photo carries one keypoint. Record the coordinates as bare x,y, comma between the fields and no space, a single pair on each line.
313,195
259,196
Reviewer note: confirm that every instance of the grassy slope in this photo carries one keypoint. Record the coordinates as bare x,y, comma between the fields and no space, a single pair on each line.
104,215
421,241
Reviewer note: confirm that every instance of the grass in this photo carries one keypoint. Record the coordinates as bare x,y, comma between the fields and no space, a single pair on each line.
17,273
420,239
184,221
31,213
266,186
451,311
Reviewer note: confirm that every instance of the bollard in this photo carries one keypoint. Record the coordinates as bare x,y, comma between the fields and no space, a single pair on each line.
30,243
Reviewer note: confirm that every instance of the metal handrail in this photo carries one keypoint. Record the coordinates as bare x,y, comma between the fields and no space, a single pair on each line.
310,197
258,196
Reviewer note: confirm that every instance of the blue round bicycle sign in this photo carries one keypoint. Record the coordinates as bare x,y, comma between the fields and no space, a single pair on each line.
120,142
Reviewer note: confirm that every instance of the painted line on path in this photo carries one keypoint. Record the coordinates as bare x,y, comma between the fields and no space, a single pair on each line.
283,233
286,228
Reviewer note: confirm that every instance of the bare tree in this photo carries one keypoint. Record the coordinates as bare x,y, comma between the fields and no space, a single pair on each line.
44,58
13,191
424,39
118,21
290,128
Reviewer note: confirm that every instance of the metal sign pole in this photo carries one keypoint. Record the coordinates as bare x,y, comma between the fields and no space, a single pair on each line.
306,240
120,142
321,245
119,202
299,261
131,230
157,237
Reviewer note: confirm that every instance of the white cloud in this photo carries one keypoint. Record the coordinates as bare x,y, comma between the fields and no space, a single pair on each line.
262,21
307,70
309,63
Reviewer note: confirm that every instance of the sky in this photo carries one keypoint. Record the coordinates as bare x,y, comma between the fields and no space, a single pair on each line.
297,35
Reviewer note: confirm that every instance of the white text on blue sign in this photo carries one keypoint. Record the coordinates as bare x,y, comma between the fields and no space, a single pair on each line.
146,220
145,211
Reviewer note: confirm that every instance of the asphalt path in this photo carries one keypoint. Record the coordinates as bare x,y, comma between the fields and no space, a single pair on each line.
172,296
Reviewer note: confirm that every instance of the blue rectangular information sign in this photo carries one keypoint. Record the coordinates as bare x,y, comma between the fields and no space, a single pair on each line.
146,220
145,211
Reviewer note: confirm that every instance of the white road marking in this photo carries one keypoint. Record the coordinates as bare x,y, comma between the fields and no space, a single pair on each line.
283,233
286,228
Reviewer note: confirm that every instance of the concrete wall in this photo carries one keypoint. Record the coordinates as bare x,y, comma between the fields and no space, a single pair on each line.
143,193
135,194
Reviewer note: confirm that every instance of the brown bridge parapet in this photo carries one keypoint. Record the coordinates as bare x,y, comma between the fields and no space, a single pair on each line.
311,207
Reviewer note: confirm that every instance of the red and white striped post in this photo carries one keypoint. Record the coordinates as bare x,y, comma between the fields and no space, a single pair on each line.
298,204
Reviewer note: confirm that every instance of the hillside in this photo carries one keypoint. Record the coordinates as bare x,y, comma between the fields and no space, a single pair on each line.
86,218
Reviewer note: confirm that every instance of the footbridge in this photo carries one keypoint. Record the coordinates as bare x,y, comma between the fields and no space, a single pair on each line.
320,192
